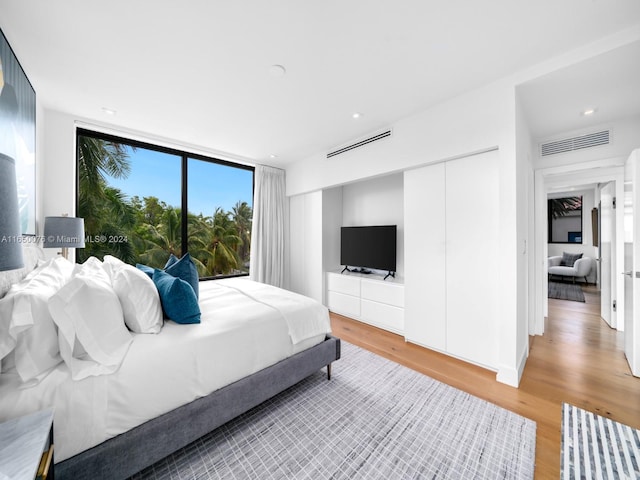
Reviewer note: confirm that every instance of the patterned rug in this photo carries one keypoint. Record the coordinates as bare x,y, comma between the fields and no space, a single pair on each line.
597,447
374,419
566,291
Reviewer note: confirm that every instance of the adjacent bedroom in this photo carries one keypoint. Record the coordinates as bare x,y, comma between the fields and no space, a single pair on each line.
318,241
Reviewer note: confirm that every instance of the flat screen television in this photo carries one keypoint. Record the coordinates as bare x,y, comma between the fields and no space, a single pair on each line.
367,247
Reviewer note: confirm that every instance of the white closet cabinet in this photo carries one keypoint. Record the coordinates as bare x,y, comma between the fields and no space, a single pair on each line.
305,243
451,252
425,260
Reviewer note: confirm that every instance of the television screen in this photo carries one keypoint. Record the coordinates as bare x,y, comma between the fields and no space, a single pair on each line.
369,247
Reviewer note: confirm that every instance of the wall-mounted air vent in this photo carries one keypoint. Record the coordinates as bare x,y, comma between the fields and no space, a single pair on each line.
576,143
361,143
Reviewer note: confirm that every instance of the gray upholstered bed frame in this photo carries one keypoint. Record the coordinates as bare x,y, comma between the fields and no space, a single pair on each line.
132,451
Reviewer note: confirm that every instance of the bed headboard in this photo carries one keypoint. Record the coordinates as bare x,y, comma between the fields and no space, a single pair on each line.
31,254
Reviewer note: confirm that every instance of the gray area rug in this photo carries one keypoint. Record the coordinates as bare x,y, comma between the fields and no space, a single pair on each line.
566,291
597,447
374,419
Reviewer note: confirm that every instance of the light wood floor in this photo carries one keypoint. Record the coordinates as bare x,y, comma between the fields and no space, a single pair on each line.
579,360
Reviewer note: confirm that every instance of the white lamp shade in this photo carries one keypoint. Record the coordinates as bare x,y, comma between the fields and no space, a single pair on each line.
63,232
10,233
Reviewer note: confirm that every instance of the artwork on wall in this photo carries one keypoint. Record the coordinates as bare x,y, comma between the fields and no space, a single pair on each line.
565,220
18,131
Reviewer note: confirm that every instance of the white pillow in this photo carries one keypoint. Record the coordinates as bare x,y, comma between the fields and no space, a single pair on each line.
138,296
92,336
92,268
26,327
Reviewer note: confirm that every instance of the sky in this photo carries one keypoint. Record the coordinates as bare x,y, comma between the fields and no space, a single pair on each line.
210,185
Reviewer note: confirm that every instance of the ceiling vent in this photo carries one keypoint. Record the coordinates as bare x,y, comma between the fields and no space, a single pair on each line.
576,143
359,144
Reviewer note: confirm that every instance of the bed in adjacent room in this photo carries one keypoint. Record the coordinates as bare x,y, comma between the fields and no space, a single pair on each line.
141,396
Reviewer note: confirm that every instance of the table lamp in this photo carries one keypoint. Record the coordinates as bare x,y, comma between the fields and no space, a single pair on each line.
63,232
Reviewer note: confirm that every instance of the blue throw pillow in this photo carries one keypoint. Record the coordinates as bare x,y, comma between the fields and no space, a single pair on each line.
178,299
172,259
146,269
184,269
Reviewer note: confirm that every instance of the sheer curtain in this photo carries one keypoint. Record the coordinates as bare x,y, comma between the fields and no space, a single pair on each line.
266,262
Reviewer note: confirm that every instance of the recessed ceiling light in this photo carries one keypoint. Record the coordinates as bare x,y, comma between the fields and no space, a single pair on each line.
277,71
273,155
356,115
108,111
588,111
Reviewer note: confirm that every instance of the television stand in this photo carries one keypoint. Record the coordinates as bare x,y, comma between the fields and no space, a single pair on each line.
356,270
365,271
367,298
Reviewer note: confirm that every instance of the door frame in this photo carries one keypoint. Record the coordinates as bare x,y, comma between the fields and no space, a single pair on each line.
598,171
607,311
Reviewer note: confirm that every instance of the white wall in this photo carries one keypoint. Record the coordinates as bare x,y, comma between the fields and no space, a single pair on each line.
59,169
378,201
462,126
477,121
59,189
561,227
331,223
525,239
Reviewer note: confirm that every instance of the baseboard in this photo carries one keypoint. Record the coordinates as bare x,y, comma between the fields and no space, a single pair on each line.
511,376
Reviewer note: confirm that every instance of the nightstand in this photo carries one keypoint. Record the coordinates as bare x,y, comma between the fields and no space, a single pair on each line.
26,447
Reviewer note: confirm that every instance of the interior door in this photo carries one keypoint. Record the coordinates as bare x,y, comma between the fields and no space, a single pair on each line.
606,262
632,262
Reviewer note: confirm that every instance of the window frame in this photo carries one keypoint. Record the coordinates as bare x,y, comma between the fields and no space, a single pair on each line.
184,158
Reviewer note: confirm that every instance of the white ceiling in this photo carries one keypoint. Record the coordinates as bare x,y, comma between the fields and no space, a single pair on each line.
199,71
609,83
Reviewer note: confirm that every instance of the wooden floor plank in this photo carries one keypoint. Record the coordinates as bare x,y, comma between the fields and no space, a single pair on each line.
579,360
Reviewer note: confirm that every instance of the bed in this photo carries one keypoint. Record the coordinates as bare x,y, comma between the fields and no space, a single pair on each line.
172,387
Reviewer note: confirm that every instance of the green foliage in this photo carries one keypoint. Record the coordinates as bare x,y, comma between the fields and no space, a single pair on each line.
148,230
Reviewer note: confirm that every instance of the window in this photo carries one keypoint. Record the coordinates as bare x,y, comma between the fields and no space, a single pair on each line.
565,219
143,202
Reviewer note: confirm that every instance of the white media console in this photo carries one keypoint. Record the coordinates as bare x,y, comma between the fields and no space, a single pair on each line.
368,298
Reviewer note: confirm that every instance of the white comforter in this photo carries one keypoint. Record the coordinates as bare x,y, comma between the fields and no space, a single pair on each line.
245,327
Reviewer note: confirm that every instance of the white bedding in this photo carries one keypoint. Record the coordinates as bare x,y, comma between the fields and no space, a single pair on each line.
245,327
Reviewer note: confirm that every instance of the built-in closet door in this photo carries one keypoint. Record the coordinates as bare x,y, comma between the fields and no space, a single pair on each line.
305,245
425,264
473,257
451,257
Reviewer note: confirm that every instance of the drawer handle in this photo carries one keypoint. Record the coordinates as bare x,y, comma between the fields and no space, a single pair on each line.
45,464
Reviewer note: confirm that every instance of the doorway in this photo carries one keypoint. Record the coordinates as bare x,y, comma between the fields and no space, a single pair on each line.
570,178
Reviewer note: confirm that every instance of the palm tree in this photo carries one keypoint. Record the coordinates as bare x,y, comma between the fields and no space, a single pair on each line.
98,159
242,215
161,240
200,232
107,214
222,246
